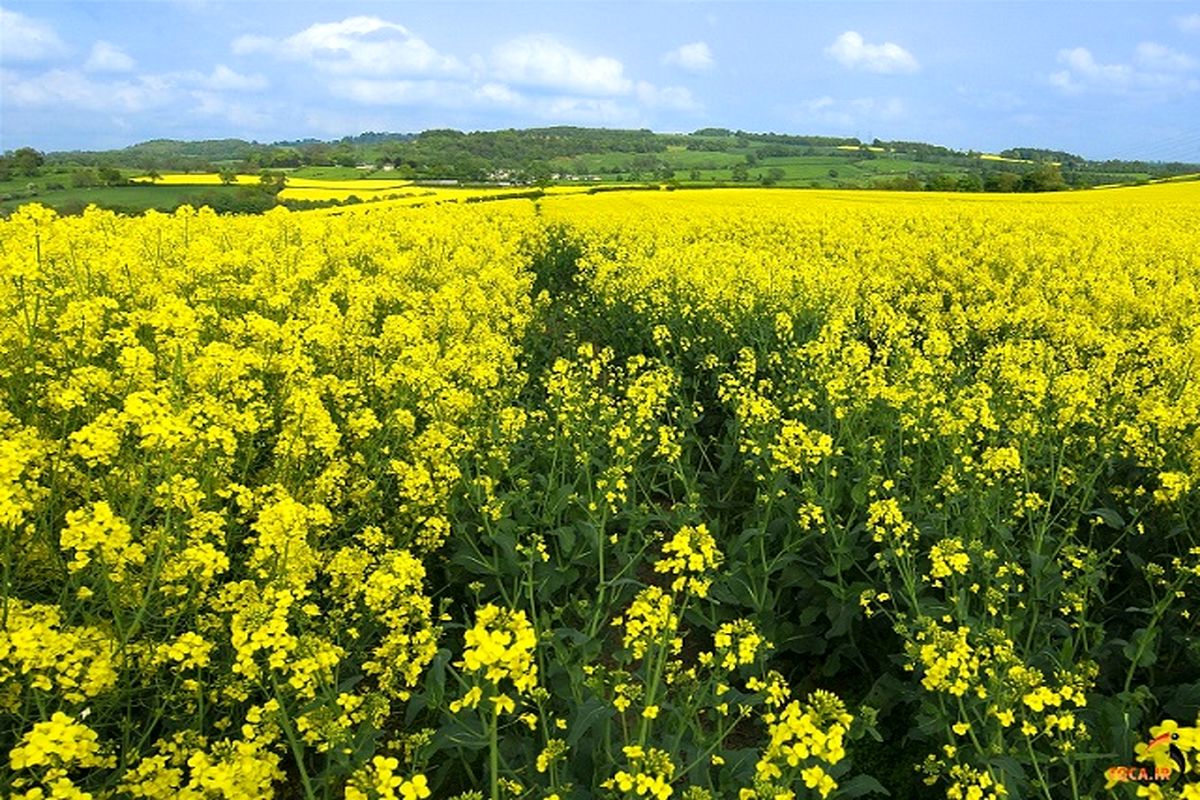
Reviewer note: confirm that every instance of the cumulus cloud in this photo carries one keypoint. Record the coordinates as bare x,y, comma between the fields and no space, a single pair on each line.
1190,23
356,45
1154,68
23,38
694,57
850,113
58,88
549,63
241,115
107,57
377,63
1160,57
383,92
852,51
222,78
90,91
1082,66
453,94
673,97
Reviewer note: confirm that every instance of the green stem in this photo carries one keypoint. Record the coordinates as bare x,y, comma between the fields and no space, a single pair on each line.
294,744
494,752
1037,769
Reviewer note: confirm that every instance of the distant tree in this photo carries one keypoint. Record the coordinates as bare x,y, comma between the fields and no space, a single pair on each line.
774,175
909,183
110,176
1001,182
538,174
272,182
154,176
317,154
971,182
1044,178
943,182
645,163
284,157
27,161
227,176
84,178
833,173
740,173
694,174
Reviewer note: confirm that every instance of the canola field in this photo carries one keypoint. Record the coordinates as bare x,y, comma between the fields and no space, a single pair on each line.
376,191
747,494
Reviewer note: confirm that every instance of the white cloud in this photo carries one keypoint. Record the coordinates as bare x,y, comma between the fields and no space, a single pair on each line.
564,108
585,111
1083,67
377,63
673,97
499,94
60,88
212,104
851,113
1156,70
546,62
1190,23
852,51
356,46
882,108
1160,57
107,57
382,92
23,38
222,78
70,88
694,57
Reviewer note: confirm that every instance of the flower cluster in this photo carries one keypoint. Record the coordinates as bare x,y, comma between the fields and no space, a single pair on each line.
805,740
690,555
500,647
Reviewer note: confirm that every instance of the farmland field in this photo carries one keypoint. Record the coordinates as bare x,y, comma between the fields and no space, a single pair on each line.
697,494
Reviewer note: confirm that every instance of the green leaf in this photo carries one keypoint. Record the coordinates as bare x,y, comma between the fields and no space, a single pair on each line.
1140,649
861,785
1111,518
575,637
586,717
564,537
1184,701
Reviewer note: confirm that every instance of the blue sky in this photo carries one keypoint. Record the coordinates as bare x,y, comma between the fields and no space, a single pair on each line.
1100,79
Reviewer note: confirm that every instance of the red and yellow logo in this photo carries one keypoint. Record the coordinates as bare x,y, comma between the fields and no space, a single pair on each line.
1173,751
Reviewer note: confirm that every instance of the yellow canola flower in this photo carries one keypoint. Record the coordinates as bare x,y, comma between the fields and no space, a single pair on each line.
58,742
948,558
500,646
649,620
691,555
99,534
